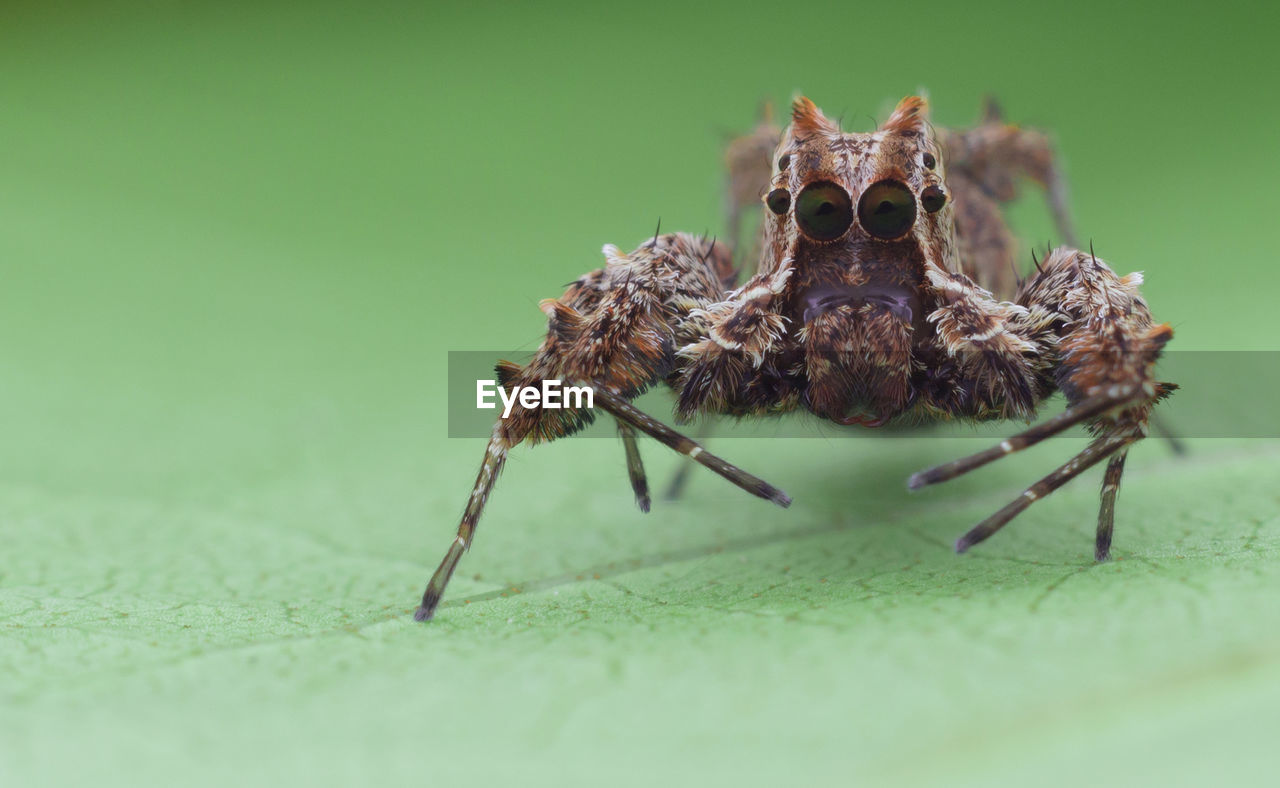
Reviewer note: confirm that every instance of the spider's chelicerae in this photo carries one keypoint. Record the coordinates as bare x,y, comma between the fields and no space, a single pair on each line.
885,291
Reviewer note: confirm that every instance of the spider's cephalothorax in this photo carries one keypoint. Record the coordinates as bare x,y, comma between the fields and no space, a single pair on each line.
885,290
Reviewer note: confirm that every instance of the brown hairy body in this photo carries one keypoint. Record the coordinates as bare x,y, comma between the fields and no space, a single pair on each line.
885,291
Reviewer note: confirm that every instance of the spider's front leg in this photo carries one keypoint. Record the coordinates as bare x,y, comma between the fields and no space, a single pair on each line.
1078,327
616,331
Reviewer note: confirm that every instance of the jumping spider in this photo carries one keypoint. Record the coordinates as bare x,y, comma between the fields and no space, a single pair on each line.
879,296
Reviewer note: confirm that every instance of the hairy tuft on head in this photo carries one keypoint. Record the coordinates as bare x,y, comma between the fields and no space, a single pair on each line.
909,117
807,119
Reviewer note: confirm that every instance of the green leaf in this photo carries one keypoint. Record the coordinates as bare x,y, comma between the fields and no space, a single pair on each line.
237,243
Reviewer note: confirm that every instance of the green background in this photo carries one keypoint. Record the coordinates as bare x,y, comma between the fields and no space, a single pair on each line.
237,242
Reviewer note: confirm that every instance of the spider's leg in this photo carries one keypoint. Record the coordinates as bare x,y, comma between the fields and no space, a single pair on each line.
616,327
1161,425
1078,327
494,458
995,155
1107,512
985,167
679,479
1098,450
1081,411
626,412
749,162
635,466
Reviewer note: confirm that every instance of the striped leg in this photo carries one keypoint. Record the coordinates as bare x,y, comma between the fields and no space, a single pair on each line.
1080,412
675,488
1098,450
629,419
618,326
1107,514
624,411
1103,350
635,466
494,458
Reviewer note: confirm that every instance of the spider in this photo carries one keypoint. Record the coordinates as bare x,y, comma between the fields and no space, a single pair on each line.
885,292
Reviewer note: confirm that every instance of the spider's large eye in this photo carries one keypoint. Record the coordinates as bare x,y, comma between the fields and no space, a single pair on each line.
887,210
824,211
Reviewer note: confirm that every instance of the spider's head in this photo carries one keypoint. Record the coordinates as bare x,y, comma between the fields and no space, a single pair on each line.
855,223
854,196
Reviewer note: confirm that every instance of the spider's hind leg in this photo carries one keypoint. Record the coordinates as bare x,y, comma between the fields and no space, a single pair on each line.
985,167
749,167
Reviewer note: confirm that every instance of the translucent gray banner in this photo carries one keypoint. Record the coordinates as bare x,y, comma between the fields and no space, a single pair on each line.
1222,394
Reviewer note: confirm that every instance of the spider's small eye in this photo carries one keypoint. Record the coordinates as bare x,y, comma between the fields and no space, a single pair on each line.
783,161
824,211
933,198
779,200
887,210
929,161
